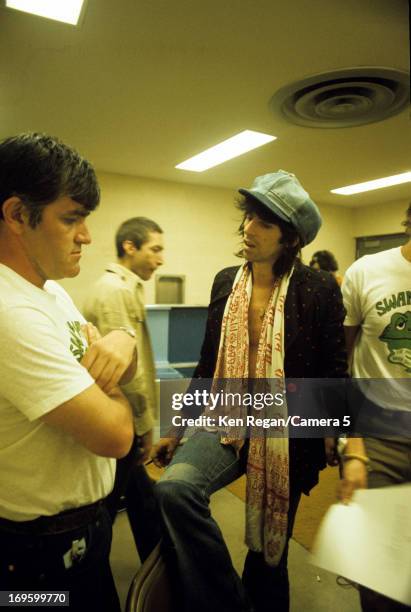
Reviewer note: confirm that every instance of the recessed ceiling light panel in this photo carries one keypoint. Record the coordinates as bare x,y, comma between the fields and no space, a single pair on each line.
228,149
67,11
388,181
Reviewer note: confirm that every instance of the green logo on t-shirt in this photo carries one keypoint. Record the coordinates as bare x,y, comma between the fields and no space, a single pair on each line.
77,345
397,336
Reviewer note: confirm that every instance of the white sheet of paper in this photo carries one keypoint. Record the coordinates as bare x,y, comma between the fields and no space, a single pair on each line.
369,541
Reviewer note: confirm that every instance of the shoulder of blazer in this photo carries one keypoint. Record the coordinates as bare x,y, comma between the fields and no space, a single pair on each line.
302,275
312,278
223,283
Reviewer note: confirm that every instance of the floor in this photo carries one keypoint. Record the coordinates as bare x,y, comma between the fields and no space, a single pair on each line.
312,590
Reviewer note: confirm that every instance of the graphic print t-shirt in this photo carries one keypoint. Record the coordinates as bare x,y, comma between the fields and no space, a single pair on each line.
377,296
43,470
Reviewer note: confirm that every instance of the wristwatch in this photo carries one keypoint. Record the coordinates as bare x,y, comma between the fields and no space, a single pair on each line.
129,330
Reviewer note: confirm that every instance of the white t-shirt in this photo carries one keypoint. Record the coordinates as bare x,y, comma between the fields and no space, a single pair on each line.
377,296
43,470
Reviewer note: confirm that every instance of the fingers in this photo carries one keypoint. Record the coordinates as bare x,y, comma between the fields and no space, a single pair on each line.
93,332
355,477
345,491
106,375
163,452
89,357
104,366
120,342
162,455
110,378
331,451
102,372
85,332
332,459
107,358
105,350
90,332
160,460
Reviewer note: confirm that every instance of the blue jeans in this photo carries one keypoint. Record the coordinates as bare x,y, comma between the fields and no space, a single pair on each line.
208,579
36,562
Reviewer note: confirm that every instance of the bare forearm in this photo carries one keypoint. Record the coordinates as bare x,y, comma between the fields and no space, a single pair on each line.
121,413
355,446
101,422
122,404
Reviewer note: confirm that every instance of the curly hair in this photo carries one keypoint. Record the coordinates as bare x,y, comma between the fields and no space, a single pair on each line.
325,260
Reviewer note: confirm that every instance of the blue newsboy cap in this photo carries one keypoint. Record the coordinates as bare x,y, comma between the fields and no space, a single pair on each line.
284,195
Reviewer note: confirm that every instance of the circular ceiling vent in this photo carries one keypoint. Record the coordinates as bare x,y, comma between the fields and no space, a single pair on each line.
343,98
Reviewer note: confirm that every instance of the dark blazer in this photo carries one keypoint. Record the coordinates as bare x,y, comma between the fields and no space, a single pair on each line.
314,347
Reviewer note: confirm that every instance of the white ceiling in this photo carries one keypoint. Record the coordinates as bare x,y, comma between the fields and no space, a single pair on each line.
141,85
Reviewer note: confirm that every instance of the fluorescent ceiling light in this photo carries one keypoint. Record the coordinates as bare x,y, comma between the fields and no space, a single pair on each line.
233,147
60,10
388,181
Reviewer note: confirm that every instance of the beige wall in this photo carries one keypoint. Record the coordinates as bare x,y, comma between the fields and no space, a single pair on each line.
200,225
335,236
377,220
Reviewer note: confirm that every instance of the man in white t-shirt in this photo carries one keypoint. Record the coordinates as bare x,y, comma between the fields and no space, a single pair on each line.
63,418
377,296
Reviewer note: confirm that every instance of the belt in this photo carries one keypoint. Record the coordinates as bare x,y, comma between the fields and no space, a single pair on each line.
58,523
402,417
382,422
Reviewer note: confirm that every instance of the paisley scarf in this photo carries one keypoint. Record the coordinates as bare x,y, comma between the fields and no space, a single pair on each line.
267,496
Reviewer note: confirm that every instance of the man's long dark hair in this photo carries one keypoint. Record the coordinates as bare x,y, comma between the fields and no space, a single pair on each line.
289,236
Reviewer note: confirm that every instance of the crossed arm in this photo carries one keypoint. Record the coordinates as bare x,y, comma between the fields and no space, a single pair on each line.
100,417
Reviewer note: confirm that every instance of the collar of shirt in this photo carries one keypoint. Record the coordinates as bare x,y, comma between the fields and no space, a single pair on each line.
125,274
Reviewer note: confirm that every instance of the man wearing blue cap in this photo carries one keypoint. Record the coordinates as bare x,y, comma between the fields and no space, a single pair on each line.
269,319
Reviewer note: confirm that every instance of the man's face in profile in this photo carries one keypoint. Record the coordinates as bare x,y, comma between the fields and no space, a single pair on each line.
54,246
146,259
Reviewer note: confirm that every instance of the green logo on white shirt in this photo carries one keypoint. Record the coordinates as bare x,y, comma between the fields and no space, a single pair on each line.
77,344
397,336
